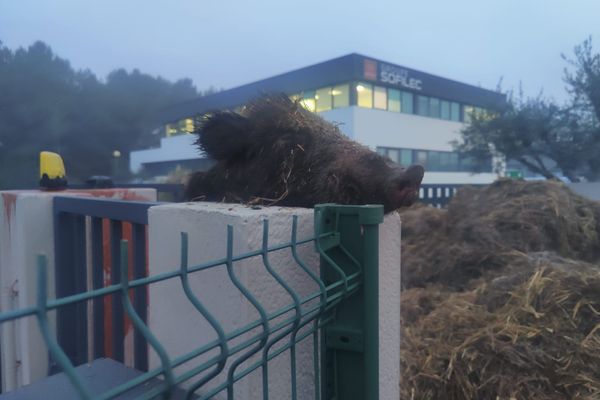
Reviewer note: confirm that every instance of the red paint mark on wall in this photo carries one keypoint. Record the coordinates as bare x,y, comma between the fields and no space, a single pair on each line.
10,203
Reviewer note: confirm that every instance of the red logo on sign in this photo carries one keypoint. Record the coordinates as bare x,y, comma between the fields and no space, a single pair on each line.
370,70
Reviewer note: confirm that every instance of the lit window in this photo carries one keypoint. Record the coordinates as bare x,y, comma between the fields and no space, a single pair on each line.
380,98
407,103
423,105
364,95
454,111
295,97
189,125
170,130
467,111
308,100
323,98
445,109
393,100
341,96
434,107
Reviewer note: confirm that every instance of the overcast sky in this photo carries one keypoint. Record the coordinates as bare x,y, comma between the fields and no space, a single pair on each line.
227,43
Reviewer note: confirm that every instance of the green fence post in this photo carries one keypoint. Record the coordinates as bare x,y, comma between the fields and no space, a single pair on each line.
349,237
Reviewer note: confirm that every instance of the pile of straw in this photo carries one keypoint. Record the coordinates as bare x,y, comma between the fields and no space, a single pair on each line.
501,295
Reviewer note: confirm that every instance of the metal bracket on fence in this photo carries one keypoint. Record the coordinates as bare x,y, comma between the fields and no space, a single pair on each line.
350,343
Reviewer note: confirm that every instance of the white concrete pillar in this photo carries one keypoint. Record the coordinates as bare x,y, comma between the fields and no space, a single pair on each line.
26,230
180,328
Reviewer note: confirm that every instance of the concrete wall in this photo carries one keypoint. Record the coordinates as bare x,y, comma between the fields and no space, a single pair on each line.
181,328
26,230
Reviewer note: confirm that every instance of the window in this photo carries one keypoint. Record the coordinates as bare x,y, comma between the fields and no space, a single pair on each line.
308,100
323,99
421,158
445,109
170,130
406,157
393,100
423,105
454,111
380,98
189,125
394,155
364,95
467,111
407,103
433,160
445,161
434,107
341,96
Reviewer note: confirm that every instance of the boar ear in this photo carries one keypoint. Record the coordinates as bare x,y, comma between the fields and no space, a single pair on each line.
223,135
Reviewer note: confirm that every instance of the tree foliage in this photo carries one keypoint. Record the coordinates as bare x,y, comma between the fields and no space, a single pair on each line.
45,104
547,138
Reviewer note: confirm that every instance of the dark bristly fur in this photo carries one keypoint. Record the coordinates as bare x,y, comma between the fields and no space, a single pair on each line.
276,152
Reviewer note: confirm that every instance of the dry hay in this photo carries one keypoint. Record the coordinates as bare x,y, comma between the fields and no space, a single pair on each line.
501,295
484,226
542,341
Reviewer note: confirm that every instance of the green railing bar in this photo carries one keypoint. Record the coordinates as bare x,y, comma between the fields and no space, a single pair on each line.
222,358
370,244
320,250
316,361
255,366
211,345
297,308
323,291
188,356
157,371
140,325
76,298
42,317
255,303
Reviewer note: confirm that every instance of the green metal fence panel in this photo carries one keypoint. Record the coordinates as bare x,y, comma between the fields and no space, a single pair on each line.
348,241
341,316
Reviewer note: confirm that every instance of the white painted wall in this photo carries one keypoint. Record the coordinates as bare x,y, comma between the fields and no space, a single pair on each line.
26,230
375,128
180,147
383,128
181,328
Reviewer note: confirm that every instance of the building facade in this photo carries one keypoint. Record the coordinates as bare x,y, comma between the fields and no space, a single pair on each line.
408,115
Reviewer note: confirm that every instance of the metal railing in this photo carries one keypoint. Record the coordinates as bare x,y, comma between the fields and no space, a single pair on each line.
437,195
87,235
343,323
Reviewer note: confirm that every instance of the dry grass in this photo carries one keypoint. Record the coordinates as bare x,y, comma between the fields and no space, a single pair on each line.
502,296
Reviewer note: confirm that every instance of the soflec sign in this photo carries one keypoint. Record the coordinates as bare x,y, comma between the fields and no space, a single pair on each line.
390,74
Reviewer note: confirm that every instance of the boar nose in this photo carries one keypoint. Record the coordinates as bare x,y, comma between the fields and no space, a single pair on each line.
414,174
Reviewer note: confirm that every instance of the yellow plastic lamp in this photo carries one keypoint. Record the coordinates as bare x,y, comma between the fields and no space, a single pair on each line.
52,171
